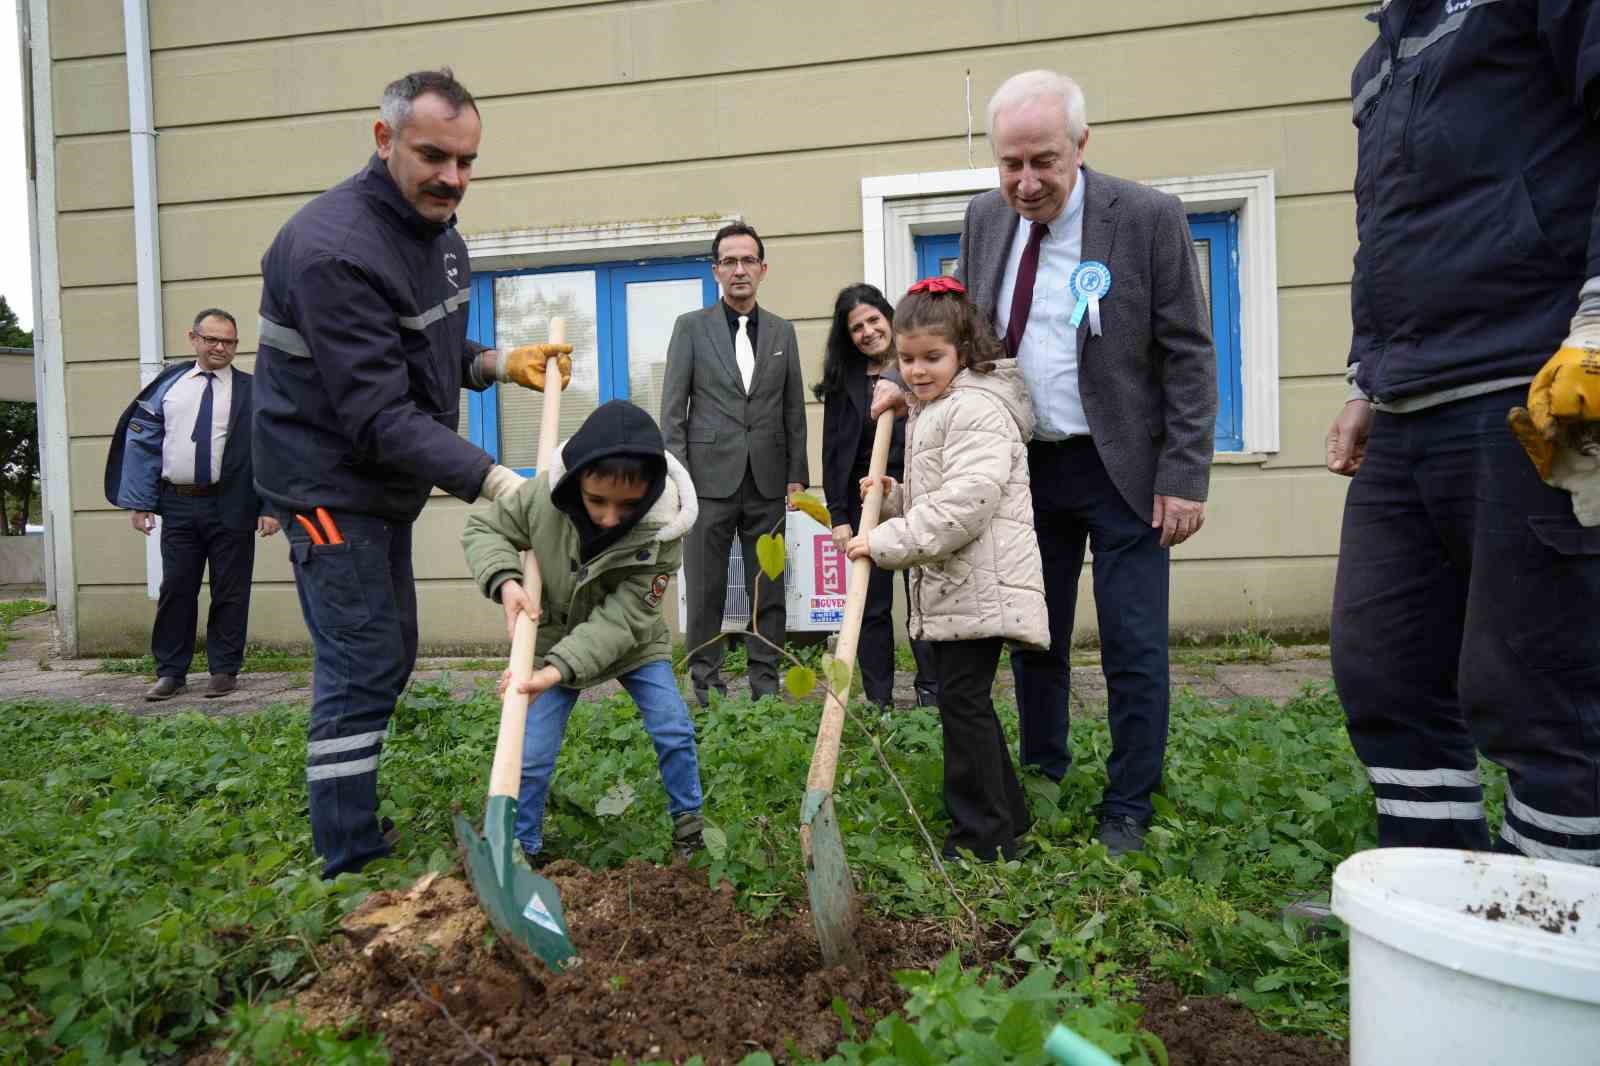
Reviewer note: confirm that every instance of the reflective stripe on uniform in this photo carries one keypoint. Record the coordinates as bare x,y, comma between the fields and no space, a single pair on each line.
1539,850
281,337
1556,823
436,312
1373,86
341,769
1444,810
338,744
1410,48
1443,777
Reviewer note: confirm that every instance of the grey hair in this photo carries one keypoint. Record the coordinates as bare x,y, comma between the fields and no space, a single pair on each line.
399,95
1036,84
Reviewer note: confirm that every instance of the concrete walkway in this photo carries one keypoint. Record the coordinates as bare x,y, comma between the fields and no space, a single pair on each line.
29,670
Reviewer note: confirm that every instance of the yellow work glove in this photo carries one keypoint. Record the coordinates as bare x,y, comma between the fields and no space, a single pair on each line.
1566,391
526,365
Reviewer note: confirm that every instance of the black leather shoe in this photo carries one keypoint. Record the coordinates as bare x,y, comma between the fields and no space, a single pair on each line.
1120,834
164,689
927,697
221,685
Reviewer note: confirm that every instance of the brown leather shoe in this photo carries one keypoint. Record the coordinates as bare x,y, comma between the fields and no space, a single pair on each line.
221,685
164,689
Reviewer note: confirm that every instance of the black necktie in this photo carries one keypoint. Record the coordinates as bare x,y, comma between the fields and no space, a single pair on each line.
202,433
1022,293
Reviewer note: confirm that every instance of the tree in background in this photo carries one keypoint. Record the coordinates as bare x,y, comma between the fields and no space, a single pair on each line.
19,439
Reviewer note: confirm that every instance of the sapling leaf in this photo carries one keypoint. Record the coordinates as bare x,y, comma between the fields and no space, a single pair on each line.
801,681
811,507
770,554
837,671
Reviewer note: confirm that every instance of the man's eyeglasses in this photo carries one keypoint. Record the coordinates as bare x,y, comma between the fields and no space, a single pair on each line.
217,342
749,262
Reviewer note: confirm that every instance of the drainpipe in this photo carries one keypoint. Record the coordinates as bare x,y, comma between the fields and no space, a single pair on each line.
49,365
146,226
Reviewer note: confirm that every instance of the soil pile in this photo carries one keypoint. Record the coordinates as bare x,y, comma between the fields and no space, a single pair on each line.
1213,1031
670,969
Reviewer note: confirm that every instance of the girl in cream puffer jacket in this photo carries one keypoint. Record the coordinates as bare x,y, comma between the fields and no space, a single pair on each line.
964,521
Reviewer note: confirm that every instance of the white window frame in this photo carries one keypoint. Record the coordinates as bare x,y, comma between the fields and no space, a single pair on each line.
896,209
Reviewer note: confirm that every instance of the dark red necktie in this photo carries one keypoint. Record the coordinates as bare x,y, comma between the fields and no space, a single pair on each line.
1022,294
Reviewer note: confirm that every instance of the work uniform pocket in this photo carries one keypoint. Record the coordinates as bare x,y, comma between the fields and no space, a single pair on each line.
1559,593
330,580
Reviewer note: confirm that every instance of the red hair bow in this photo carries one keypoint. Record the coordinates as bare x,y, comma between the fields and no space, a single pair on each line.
940,284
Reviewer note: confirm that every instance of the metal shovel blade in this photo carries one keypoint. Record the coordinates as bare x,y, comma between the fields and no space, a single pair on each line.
828,882
524,908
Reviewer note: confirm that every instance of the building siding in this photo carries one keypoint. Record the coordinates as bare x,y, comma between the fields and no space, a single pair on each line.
770,112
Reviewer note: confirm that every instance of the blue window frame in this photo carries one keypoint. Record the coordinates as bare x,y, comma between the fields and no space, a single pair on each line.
610,338
936,254
1216,247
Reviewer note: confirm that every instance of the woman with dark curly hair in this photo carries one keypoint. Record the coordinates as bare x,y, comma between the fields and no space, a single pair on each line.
860,349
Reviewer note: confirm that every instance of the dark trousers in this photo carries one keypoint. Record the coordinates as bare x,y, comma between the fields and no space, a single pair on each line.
748,514
192,538
1075,502
1465,620
981,792
360,605
875,647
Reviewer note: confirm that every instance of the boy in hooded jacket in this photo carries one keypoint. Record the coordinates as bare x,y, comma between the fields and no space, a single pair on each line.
606,523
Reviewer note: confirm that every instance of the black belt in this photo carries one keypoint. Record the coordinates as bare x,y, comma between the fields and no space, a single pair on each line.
1076,438
190,490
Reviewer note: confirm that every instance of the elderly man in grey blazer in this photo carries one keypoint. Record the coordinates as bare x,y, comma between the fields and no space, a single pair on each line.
733,412
1092,282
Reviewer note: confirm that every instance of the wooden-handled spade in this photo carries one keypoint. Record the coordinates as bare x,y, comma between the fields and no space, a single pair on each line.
828,880
524,908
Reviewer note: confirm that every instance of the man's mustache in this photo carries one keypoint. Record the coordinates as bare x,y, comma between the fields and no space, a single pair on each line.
443,192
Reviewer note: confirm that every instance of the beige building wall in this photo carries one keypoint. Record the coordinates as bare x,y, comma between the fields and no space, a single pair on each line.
646,111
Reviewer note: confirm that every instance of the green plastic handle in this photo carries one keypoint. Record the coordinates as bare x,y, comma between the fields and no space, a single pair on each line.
1070,1049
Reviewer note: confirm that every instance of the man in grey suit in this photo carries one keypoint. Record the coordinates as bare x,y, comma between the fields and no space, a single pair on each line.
733,412
1092,282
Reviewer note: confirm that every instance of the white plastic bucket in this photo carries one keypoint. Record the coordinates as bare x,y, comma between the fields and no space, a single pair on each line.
1454,958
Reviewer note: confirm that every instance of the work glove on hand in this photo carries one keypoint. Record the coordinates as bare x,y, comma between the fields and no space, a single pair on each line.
500,481
1566,392
526,365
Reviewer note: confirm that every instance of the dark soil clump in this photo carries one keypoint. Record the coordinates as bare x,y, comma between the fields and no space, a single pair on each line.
1213,1031
670,969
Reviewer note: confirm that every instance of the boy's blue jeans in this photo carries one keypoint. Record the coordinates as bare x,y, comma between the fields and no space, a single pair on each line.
666,719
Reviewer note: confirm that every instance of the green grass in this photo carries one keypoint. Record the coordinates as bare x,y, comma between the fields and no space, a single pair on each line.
11,610
157,880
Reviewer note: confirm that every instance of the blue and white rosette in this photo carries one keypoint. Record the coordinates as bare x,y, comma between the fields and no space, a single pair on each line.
1091,281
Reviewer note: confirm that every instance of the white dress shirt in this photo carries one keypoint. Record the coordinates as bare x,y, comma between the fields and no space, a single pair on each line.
1048,354
179,408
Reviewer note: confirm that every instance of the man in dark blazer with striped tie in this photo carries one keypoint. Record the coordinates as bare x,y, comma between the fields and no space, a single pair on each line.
1092,282
182,451
733,412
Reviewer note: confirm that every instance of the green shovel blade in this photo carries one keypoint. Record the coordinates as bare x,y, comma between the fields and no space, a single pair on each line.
524,908
829,884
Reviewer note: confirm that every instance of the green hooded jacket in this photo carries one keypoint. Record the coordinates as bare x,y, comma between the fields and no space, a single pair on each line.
600,618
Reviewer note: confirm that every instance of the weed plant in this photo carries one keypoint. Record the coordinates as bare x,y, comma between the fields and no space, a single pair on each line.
157,883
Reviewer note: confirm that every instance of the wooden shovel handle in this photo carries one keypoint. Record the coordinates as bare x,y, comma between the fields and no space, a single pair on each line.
825,756
550,419
505,777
